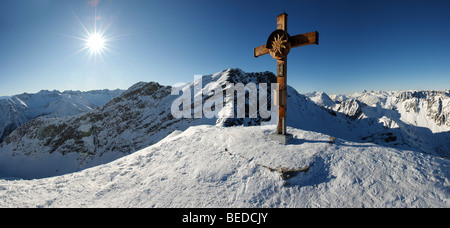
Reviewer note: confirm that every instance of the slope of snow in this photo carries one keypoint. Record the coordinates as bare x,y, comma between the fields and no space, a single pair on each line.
212,166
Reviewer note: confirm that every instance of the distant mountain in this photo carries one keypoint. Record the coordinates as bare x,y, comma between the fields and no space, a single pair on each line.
19,109
428,109
420,119
321,98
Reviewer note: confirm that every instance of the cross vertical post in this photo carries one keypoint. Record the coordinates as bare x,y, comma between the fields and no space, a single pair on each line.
282,80
282,97
279,45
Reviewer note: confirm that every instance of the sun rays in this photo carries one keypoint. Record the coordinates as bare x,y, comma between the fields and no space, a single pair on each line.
96,39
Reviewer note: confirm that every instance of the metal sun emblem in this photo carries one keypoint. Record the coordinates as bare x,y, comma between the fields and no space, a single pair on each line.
278,44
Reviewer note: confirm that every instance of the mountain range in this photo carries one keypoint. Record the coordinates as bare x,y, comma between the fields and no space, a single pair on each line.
418,119
19,109
141,116
368,149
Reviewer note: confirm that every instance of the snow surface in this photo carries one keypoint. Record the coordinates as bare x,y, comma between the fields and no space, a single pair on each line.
213,166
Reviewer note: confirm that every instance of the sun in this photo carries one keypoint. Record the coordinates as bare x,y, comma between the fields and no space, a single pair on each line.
97,36
96,43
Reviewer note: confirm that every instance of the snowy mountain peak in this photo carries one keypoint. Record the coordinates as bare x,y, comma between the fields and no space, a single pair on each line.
321,98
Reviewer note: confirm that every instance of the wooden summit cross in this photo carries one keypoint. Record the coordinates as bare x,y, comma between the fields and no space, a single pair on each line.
278,45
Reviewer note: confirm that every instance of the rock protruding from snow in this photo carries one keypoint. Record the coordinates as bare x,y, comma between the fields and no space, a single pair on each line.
351,108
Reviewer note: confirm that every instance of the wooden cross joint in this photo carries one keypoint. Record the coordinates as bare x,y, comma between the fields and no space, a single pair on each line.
295,41
278,45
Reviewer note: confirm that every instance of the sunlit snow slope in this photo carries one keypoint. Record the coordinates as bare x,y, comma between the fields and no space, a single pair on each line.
212,166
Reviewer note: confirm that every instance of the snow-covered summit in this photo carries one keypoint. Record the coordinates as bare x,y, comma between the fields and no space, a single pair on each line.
212,166
321,98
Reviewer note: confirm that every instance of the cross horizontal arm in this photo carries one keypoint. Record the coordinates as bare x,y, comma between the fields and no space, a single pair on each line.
305,39
261,50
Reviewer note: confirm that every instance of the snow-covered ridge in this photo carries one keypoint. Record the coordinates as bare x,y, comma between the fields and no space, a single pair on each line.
420,119
141,117
19,109
428,109
212,166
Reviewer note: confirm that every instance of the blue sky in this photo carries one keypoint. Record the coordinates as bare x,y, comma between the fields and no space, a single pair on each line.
372,45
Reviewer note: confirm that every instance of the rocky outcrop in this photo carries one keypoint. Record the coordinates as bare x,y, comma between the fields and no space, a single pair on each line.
351,108
19,109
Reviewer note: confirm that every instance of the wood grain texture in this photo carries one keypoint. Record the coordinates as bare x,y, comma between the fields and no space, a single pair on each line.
260,51
305,39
